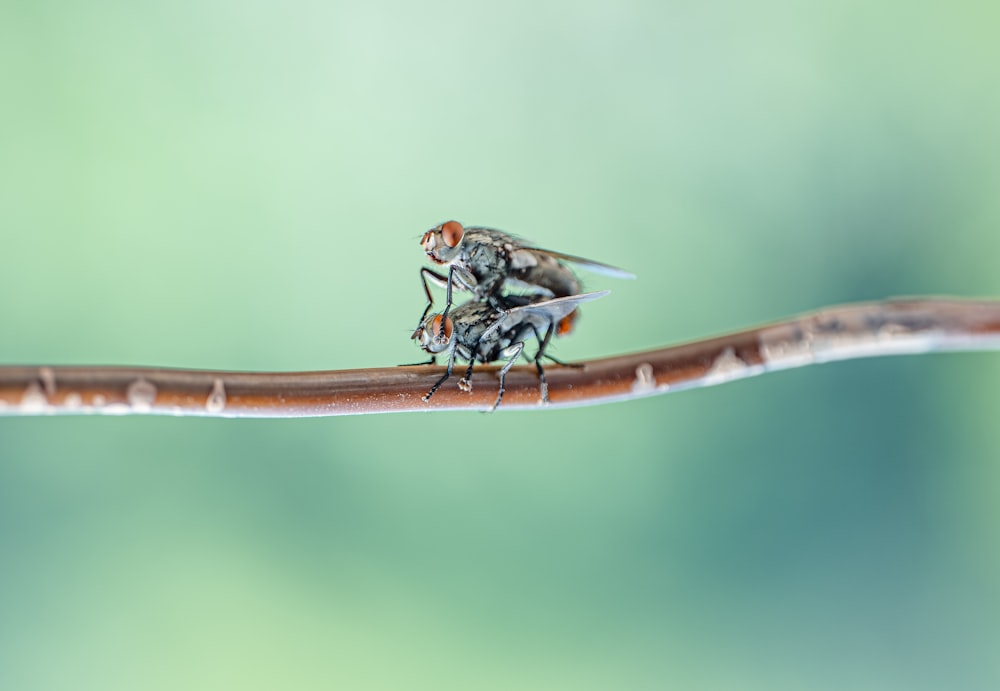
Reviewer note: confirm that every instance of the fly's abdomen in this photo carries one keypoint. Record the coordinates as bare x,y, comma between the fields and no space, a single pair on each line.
551,275
556,279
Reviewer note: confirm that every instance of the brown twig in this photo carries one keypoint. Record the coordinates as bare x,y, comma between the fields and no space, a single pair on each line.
892,327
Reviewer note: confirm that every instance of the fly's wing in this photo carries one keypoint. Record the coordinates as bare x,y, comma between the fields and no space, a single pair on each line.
520,261
589,264
552,310
499,235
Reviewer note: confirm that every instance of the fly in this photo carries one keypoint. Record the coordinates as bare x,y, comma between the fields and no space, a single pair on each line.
479,332
484,261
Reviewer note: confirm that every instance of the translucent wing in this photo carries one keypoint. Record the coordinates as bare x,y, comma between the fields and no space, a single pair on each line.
521,243
589,264
556,308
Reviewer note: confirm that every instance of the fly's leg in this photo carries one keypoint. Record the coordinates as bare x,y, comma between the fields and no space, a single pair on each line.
432,361
503,372
442,380
437,278
574,365
464,383
456,276
543,344
447,300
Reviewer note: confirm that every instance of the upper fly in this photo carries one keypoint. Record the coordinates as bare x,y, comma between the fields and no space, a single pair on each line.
484,261
480,332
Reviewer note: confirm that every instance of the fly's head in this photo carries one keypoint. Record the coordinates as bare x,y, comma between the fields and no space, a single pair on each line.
430,335
442,242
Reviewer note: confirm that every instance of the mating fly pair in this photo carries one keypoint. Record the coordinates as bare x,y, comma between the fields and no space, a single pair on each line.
494,324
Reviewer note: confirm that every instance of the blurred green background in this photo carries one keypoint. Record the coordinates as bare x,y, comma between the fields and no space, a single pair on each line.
242,185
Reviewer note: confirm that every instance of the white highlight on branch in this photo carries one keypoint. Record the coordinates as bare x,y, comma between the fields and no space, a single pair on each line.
644,382
216,402
34,399
728,367
141,394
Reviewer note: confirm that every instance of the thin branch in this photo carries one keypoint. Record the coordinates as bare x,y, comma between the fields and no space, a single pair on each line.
892,327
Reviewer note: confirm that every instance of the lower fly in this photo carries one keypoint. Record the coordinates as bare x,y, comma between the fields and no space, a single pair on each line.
496,330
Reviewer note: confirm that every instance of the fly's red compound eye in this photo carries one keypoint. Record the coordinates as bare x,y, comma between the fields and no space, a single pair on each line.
451,233
436,327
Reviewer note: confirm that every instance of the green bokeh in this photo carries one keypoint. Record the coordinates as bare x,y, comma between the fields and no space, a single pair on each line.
242,186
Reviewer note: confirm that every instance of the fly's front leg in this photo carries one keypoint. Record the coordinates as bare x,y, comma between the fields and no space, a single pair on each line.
434,276
518,347
432,361
442,380
447,301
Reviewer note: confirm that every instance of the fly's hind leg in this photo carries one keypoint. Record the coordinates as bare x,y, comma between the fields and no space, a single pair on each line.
543,344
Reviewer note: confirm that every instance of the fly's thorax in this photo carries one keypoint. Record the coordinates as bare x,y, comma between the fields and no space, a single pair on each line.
472,319
474,332
486,255
492,344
